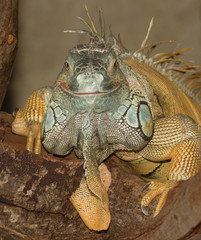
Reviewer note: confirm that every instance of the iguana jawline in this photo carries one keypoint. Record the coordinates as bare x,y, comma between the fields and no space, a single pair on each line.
63,85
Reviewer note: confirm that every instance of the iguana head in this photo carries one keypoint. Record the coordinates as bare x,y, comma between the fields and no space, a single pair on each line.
91,71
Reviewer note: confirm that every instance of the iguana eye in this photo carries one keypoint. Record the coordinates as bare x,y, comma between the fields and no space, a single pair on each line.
67,65
70,61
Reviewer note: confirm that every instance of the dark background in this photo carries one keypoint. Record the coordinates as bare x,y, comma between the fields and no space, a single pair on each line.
43,45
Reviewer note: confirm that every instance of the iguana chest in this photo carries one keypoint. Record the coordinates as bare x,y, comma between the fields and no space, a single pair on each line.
104,128
64,130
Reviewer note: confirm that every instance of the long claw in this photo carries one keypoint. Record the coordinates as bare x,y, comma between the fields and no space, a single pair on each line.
156,188
146,185
144,209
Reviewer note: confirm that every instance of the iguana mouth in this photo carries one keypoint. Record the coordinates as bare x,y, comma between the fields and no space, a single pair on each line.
63,85
89,93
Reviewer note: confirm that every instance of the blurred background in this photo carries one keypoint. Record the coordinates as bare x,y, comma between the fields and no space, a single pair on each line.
43,46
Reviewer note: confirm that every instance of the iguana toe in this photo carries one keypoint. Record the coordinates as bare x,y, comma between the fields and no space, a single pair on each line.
156,188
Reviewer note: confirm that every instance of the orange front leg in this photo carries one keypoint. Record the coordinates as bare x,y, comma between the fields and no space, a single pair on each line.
177,138
28,122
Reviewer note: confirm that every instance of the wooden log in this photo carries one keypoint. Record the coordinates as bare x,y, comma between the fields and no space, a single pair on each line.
8,43
35,191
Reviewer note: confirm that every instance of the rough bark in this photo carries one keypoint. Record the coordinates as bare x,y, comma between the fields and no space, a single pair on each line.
35,191
8,43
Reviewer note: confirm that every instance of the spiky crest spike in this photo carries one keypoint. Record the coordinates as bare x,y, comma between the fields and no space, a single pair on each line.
144,42
102,23
92,31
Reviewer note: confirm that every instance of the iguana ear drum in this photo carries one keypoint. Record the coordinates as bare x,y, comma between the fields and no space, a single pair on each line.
145,119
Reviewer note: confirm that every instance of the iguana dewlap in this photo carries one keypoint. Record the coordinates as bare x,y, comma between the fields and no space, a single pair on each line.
106,100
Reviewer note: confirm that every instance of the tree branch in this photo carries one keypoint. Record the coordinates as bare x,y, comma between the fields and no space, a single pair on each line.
35,191
8,43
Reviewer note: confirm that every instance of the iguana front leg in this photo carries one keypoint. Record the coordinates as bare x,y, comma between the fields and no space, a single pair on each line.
177,138
28,122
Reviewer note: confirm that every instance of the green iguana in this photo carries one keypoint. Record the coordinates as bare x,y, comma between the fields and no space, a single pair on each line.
144,108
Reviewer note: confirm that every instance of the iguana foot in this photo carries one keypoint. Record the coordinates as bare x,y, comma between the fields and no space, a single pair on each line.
91,209
156,188
28,122
32,130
